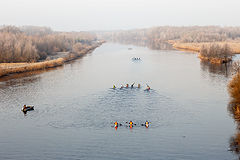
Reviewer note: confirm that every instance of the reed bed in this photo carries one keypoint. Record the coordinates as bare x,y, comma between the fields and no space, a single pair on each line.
196,47
234,88
10,69
214,60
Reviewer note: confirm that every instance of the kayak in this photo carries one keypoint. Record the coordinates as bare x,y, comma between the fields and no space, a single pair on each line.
136,59
28,108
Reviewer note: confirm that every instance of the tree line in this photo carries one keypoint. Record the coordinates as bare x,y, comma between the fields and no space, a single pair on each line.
153,37
31,44
216,51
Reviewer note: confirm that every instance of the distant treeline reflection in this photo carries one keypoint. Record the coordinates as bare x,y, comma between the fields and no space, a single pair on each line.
153,46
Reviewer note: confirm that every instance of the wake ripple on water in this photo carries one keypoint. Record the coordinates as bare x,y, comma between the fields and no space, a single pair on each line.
122,105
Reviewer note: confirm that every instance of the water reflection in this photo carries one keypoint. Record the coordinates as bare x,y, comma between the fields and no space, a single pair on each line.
234,145
23,78
150,45
160,46
220,69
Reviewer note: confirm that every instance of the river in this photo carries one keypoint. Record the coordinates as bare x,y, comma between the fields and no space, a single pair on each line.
75,108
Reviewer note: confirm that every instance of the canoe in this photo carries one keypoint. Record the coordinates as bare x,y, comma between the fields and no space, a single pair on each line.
28,108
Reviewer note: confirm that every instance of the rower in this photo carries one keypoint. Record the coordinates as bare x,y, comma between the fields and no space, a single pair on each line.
114,86
132,85
116,124
146,124
121,86
130,124
138,85
148,88
126,85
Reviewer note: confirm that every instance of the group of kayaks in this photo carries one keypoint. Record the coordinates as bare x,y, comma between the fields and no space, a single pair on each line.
132,86
26,108
136,58
130,124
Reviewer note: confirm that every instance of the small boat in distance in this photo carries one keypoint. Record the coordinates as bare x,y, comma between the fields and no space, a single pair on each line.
136,58
27,108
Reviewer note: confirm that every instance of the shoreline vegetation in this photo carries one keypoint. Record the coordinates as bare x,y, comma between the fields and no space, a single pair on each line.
234,87
216,53
31,48
12,68
184,38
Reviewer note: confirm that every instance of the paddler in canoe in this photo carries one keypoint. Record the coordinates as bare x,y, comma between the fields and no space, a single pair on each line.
27,108
121,86
132,85
146,124
148,88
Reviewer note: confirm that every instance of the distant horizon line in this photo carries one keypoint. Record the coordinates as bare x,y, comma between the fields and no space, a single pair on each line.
111,30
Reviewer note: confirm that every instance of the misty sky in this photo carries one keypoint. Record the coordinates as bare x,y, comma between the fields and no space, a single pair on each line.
77,15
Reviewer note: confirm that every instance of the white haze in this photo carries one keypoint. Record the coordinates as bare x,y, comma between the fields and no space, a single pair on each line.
69,15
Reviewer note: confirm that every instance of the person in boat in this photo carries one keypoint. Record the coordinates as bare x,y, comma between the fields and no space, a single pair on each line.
146,124
121,86
24,106
126,85
116,124
132,85
148,88
139,85
130,124
114,86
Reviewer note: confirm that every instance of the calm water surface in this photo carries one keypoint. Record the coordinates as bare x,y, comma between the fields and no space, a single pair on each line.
75,108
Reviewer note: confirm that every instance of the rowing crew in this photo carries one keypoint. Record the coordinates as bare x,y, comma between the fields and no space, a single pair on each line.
136,58
131,124
132,85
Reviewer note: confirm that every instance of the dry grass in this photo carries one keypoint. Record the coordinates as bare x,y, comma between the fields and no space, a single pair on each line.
9,65
214,60
234,88
17,68
234,109
195,47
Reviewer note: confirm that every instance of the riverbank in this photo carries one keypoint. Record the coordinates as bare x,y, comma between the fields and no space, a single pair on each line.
12,68
196,47
214,60
234,88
